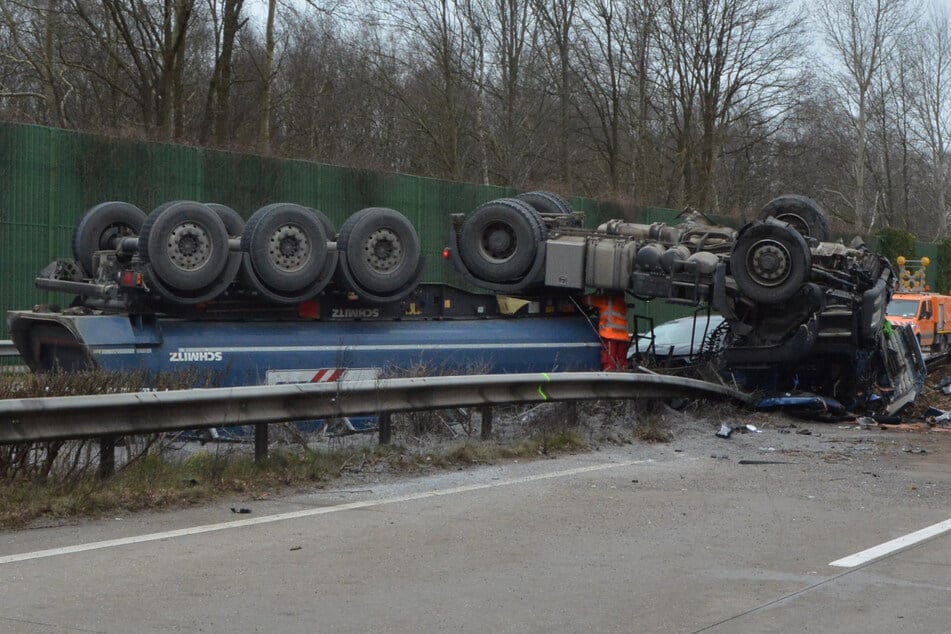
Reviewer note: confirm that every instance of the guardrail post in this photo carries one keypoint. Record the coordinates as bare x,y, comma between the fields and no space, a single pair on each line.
385,423
260,442
571,413
486,422
107,457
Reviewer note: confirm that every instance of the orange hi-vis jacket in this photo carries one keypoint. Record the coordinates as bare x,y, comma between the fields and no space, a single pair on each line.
612,316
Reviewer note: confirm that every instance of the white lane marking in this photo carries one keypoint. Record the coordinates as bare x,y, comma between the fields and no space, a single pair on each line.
280,517
891,546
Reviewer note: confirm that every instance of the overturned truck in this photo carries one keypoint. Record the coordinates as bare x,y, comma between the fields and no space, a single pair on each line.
801,312
252,300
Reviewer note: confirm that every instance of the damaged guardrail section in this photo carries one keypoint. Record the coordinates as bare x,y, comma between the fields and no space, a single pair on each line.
75,417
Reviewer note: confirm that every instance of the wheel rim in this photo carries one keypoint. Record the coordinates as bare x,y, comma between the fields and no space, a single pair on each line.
289,248
189,246
499,242
383,250
111,235
769,262
795,221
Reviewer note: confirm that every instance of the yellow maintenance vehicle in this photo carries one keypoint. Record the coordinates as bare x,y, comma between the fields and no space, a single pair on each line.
929,314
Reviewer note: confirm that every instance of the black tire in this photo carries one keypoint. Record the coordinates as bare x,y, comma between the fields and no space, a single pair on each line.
499,240
286,245
234,223
101,226
770,262
802,213
192,297
324,220
186,243
546,202
382,249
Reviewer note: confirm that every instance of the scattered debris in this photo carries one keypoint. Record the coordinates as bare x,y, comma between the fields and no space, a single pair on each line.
804,432
914,450
807,406
888,420
725,431
763,462
240,510
867,422
296,547
753,429
935,416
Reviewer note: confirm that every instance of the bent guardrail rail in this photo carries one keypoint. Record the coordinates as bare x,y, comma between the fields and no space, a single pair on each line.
7,349
77,417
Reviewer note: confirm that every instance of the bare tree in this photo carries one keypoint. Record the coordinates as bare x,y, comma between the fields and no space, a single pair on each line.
227,21
931,75
431,42
603,56
147,50
723,60
34,30
267,76
862,34
557,20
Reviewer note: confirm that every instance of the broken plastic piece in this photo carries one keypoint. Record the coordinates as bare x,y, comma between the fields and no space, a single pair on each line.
805,405
725,431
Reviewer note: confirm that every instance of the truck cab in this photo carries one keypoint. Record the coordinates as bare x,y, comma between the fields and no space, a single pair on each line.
928,314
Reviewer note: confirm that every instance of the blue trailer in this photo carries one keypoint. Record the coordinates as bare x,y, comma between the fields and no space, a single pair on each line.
236,353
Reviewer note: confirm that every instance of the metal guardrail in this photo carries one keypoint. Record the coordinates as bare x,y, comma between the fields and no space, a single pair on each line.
7,349
75,417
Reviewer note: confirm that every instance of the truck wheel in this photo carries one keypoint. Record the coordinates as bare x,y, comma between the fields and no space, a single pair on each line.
499,241
546,202
234,223
101,226
287,246
382,249
325,221
802,213
549,203
186,243
770,262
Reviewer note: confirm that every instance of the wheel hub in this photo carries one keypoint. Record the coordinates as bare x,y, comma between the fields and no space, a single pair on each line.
383,250
189,246
498,241
289,248
769,262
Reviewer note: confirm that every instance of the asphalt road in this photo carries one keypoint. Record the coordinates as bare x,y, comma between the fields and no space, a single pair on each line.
679,537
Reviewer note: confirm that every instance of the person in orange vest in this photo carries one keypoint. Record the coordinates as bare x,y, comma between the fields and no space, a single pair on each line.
612,328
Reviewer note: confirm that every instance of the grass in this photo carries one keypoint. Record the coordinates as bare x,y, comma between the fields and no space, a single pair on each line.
154,481
56,481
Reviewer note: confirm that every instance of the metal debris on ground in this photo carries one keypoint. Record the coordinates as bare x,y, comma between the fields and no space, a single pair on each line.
807,406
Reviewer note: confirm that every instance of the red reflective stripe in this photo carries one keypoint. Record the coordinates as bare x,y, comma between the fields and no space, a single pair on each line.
335,375
318,376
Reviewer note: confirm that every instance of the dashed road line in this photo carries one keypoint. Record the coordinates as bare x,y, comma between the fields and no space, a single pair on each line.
876,552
